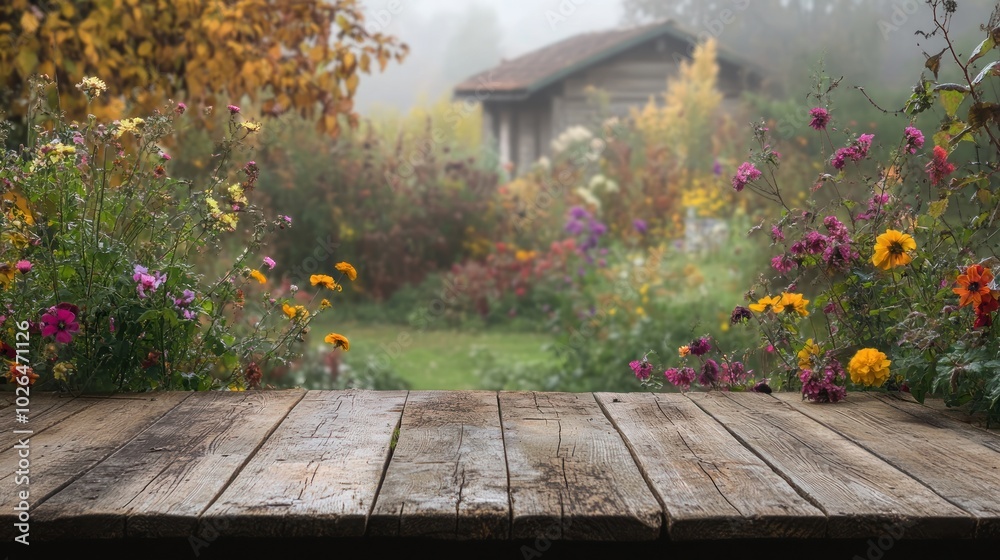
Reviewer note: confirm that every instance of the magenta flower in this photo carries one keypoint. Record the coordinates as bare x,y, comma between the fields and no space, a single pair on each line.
23,267
61,324
709,373
681,378
181,107
642,369
164,156
783,264
146,281
820,118
233,109
746,173
914,139
700,346
269,262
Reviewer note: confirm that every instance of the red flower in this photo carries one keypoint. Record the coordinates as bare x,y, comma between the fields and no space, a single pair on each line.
939,168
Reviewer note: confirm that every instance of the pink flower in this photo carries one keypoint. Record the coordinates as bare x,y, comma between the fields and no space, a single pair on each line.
181,107
269,262
233,109
146,281
783,264
164,156
820,118
641,369
61,324
681,378
23,267
914,139
746,173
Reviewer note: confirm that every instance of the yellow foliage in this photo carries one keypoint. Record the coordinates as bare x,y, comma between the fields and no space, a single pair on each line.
208,53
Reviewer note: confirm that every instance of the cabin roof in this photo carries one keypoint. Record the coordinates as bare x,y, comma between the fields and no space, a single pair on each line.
520,77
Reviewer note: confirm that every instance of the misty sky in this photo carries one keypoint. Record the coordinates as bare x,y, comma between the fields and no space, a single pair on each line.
487,31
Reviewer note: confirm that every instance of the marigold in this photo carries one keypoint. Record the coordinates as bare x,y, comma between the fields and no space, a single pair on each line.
869,367
258,276
295,311
973,285
892,249
347,269
338,341
324,280
325,304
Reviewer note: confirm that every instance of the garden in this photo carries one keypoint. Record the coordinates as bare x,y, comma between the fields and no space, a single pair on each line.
180,235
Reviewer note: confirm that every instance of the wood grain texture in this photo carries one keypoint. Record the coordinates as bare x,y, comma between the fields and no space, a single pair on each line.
941,409
160,482
711,486
860,493
448,474
66,450
932,416
571,474
957,468
318,473
44,411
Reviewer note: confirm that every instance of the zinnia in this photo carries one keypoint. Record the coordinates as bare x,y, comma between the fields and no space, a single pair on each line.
869,367
973,285
892,249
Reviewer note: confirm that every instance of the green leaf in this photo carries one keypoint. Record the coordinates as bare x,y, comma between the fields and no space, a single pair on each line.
149,315
983,48
950,100
937,209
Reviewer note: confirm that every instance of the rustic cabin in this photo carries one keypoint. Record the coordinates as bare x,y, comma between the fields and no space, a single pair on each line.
528,101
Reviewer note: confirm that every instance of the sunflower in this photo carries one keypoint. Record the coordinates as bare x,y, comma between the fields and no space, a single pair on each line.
767,304
348,270
338,341
892,249
325,281
792,303
973,285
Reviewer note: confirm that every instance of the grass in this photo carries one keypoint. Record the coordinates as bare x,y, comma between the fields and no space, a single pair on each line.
434,360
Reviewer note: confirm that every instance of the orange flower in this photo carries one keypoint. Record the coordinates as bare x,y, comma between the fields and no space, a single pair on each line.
338,341
18,371
258,276
684,351
348,270
325,281
973,285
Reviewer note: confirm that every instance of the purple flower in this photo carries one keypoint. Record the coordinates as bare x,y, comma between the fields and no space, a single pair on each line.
914,139
61,324
146,281
761,387
709,373
820,118
111,324
700,346
269,262
740,315
777,234
578,213
745,174
783,264
185,300
641,369
717,168
233,109
815,242
639,225
681,378
734,373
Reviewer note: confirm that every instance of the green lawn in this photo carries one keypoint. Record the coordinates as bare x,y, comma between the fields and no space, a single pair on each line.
435,359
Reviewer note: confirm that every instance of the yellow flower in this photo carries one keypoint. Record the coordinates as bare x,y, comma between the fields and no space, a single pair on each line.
808,354
684,351
294,311
325,281
338,340
129,125
640,311
62,370
92,86
869,367
792,303
348,270
766,304
213,207
251,126
7,272
258,276
325,304
235,194
892,249
523,256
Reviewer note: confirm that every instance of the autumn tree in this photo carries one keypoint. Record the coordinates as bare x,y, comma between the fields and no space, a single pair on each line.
304,55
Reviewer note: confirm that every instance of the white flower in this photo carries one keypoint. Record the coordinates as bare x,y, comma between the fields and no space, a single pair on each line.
588,197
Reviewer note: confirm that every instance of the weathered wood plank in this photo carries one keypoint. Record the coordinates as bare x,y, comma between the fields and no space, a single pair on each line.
937,405
711,486
448,474
68,449
861,494
318,473
44,411
939,418
160,482
932,455
571,475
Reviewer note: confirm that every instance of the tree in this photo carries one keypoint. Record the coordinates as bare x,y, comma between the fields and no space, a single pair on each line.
301,54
